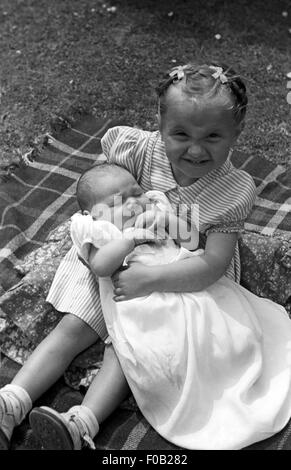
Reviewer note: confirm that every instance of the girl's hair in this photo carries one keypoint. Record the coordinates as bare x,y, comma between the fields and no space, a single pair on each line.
206,81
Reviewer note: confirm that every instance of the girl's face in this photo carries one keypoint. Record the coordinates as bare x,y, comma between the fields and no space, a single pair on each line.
197,135
122,200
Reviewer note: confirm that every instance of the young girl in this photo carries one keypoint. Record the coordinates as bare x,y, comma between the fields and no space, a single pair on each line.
201,114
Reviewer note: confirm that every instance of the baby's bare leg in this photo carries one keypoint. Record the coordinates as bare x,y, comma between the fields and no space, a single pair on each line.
108,389
53,355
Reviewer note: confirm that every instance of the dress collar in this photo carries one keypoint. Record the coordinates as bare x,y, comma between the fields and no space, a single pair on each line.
162,177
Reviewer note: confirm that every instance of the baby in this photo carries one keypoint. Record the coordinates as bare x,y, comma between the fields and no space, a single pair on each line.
117,219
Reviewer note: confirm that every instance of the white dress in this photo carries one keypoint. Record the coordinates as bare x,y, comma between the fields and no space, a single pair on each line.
208,370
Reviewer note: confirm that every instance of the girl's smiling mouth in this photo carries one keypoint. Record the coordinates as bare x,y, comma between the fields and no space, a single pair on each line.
196,162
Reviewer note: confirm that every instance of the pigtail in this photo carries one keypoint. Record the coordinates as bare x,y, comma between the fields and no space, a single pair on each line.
240,93
165,82
206,80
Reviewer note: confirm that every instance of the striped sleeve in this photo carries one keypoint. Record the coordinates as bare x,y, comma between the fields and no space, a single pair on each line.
126,146
233,196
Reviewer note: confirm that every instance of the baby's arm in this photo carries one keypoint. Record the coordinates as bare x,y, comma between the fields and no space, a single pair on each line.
106,260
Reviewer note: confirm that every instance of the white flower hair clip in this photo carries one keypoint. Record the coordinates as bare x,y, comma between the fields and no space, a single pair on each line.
218,73
178,73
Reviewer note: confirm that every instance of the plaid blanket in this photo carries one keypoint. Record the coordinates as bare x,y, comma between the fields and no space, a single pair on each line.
272,209
126,429
38,198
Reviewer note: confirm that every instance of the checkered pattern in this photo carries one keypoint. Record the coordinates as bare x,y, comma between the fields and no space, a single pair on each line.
271,213
36,199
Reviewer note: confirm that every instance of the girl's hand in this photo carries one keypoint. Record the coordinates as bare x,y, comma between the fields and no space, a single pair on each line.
134,281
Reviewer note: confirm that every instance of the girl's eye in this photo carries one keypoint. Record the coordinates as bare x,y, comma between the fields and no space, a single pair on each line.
213,135
180,135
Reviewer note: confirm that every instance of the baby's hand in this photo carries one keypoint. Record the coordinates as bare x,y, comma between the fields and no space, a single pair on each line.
154,221
146,219
142,235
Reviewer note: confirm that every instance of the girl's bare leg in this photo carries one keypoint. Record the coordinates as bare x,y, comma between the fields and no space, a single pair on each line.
53,355
80,424
108,389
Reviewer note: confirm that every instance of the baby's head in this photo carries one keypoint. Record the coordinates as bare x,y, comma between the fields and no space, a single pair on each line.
90,186
110,192
201,113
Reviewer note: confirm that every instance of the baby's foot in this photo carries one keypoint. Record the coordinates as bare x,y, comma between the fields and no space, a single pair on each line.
72,430
14,405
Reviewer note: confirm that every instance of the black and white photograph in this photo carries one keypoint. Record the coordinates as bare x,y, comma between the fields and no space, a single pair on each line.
145,228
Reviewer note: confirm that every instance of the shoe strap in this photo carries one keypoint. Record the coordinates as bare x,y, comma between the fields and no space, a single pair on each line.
79,429
11,406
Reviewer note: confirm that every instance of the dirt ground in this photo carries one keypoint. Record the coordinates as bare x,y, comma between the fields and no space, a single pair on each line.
58,57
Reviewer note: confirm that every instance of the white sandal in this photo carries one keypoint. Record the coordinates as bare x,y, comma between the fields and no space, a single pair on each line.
60,431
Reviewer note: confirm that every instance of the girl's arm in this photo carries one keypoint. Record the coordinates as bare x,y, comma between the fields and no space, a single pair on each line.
197,273
189,275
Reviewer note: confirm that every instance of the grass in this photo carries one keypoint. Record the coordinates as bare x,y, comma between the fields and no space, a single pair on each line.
61,56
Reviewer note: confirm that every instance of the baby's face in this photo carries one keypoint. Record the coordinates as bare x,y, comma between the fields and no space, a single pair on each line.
122,202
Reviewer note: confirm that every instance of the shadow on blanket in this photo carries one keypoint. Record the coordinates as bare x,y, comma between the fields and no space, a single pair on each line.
31,254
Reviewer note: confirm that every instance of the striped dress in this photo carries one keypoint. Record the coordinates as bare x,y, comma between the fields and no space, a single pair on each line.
224,196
